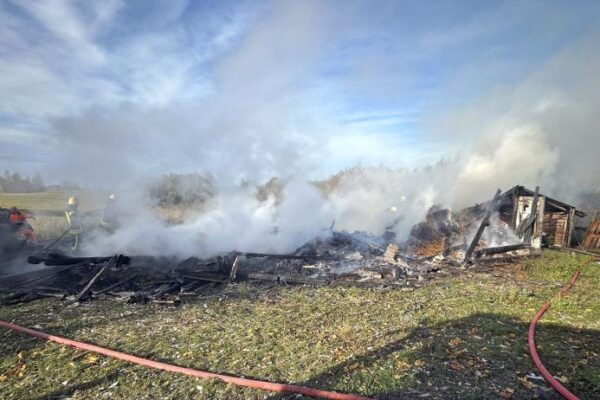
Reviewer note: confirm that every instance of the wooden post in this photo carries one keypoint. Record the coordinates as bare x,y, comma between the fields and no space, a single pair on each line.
95,278
515,208
570,226
234,269
528,227
484,222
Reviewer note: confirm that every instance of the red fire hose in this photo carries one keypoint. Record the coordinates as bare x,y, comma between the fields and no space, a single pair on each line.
252,383
556,385
280,387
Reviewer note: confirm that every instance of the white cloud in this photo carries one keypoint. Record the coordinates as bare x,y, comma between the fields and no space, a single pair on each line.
268,88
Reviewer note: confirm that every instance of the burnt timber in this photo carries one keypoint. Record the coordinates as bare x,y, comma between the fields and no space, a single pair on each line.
551,223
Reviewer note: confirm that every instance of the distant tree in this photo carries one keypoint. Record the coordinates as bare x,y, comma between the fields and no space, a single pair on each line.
15,183
181,189
67,185
37,183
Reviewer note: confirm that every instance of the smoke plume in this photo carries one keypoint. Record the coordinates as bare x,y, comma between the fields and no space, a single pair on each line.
429,106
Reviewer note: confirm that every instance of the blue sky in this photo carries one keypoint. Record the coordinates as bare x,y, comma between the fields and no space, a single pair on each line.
104,91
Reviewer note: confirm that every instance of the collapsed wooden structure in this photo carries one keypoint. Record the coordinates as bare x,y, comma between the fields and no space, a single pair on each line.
336,259
331,258
538,219
132,279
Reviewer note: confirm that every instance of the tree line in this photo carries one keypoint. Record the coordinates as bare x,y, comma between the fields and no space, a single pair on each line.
13,182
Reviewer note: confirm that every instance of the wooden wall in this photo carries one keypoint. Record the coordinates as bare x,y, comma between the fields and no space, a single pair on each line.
592,237
555,228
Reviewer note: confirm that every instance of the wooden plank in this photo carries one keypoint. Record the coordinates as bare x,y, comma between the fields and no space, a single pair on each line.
208,277
555,228
525,228
234,269
570,226
501,249
87,287
484,222
592,238
116,285
276,256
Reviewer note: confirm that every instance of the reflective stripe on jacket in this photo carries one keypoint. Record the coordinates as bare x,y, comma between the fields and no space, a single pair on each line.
74,221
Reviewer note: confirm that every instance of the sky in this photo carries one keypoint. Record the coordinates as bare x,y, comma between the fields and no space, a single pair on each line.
106,92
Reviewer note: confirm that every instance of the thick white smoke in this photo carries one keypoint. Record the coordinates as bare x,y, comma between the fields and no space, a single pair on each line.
294,90
234,220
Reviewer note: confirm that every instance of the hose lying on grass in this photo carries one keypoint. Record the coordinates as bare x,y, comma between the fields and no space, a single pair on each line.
280,387
252,383
556,385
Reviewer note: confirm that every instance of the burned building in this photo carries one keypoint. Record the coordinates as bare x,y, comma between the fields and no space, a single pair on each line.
545,222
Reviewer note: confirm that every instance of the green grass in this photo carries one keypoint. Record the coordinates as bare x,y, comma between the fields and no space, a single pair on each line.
51,226
48,226
52,200
458,337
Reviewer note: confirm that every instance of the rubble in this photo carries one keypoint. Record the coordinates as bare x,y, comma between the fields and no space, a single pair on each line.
334,258
436,246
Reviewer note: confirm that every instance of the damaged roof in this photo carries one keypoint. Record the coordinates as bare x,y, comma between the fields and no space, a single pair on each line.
523,191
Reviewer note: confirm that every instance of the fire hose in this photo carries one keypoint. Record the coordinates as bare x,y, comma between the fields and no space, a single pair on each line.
280,387
62,235
251,383
556,385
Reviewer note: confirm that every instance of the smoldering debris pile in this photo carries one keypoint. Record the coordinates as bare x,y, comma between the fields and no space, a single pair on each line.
334,258
436,246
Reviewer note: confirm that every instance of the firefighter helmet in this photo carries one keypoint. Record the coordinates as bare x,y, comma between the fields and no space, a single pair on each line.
73,201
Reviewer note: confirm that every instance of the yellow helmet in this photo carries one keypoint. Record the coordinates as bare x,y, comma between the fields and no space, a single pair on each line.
73,201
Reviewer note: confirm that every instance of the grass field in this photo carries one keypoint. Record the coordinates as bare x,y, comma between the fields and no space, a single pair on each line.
461,337
51,226
48,226
52,200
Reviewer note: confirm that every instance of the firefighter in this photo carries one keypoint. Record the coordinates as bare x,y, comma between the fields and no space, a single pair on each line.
109,220
74,221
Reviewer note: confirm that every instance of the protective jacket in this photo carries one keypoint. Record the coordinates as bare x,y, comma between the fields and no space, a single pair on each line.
73,220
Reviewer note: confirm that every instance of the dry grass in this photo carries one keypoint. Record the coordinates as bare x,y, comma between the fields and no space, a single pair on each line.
459,337
52,200
51,226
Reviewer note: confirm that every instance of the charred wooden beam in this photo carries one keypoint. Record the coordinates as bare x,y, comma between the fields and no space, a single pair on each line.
500,249
47,289
166,288
208,277
25,298
52,259
525,228
204,288
43,274
262,277
115,285
506,259
112,262
43,293
286,279
234,269
276,256
89,275
484,222
174,302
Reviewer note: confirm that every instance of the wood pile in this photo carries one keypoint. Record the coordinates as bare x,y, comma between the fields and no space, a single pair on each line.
335,258
130,279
